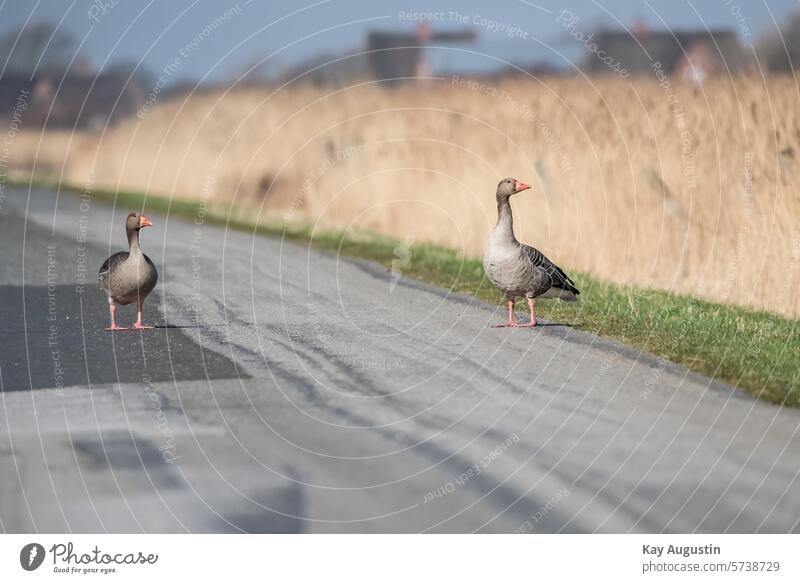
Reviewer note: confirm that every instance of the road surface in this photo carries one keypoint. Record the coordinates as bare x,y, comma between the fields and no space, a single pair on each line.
289,390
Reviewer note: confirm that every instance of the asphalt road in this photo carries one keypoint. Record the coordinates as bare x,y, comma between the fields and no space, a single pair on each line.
288,390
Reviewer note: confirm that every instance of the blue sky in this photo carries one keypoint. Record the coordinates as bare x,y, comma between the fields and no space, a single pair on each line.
157,32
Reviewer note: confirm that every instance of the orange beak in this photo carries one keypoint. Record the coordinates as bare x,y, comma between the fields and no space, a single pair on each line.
144,222
520,186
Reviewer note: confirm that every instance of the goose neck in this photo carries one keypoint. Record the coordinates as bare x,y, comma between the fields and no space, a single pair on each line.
133,242
505,220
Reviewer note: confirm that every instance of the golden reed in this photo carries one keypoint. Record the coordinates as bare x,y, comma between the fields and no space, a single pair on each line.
650,182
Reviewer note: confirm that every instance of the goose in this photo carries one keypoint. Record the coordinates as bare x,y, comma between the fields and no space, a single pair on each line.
130,276
517,269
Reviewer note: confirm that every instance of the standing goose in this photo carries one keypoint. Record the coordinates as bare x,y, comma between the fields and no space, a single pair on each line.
130,276
519,270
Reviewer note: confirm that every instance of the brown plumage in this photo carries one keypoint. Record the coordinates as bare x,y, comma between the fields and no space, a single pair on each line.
129,277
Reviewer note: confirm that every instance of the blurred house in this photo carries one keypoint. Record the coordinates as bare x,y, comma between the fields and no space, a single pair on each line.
398,56
74,100
690,55
13,87
387,55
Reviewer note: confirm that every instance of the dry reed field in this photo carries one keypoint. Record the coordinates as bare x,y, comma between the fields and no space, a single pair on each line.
668,186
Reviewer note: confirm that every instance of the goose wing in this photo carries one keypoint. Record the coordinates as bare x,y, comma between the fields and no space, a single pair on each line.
551,271
108,266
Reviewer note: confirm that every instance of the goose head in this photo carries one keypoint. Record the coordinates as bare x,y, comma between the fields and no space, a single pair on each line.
508,187
136,221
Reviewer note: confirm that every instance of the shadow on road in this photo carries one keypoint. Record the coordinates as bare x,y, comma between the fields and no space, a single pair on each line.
54,338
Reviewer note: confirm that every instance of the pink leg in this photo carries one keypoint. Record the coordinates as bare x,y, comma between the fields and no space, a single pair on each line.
512,321
112,308
138,324
531,306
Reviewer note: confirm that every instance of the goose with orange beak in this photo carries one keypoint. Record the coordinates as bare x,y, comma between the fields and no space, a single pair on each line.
128,277
519,270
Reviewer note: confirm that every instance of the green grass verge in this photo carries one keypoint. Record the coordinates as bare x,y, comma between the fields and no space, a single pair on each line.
757,351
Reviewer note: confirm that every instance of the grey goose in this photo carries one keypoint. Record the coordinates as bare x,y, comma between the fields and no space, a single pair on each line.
520,270
128,277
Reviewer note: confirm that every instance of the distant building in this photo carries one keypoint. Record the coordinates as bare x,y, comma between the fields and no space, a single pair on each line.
398,56
76,100
12,85
388,56
690,55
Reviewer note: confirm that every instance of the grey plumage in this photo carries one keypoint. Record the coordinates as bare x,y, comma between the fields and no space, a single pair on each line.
127,279
129,276
520,270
